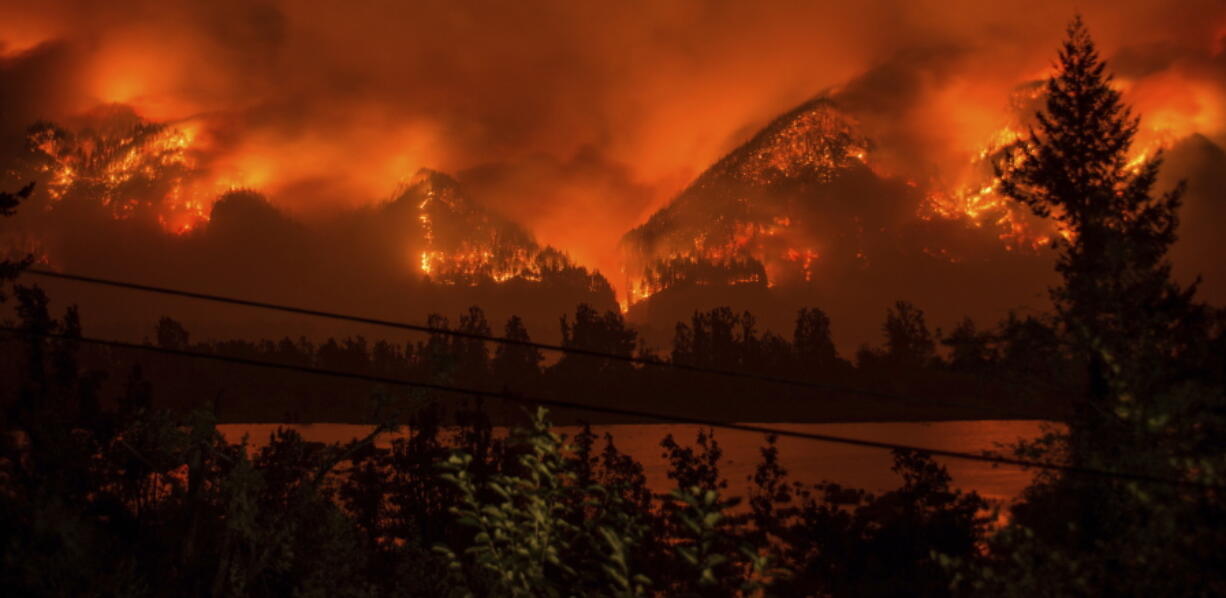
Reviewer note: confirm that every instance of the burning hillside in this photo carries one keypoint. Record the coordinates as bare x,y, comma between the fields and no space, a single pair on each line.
130,166
969,194
734,219
559,134
803,198
462,243
115,165
120,195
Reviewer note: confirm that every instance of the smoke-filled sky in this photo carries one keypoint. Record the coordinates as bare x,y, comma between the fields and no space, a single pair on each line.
580,118
577,120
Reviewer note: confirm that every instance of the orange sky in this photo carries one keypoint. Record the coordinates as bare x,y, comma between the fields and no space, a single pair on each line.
597,113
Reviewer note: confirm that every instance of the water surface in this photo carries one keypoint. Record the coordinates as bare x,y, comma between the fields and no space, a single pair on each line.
807,461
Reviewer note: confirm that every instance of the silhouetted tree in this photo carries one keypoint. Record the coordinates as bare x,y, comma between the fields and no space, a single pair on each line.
516,365
593,332
389,359
970,350
851,543
434,355
1137,333
773,355
1029,351
348,355
716,343
907,339
811,340
472,356
171,334
723,339
1117,300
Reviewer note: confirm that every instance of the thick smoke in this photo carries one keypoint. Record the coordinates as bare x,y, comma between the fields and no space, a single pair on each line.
576,119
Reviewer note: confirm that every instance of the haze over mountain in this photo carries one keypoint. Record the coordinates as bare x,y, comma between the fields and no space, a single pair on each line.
430,249
262,149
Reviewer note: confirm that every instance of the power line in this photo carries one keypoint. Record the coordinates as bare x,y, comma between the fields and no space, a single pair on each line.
831,388
514,398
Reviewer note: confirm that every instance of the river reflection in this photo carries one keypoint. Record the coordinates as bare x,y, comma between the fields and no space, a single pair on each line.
806,461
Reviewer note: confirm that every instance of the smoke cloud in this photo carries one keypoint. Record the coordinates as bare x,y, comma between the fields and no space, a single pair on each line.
576,119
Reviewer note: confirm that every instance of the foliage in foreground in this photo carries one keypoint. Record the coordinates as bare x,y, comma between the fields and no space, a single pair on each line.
1154,403
112,496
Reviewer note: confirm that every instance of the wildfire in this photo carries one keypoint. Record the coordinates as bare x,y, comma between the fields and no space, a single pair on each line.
738,260
978,205
977,201
805,258
428,256
467,261
696,270
125,164
462,244
727,230
816,139
728,233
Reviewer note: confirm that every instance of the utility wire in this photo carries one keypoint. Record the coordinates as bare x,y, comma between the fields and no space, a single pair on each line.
831,388
514,398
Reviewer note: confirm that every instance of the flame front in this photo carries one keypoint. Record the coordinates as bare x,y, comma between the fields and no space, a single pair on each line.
171,172
125,164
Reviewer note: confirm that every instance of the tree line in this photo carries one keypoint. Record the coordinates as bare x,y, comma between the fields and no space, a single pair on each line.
967,373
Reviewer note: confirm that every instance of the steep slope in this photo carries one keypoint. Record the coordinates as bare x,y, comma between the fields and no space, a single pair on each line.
461,242
799,214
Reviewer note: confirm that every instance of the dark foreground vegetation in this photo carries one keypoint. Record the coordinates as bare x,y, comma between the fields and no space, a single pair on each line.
108,487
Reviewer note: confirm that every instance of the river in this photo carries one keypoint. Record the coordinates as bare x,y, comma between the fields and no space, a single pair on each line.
807,461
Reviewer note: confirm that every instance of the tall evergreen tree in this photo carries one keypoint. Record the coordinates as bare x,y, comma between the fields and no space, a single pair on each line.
1117,303
1138,332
